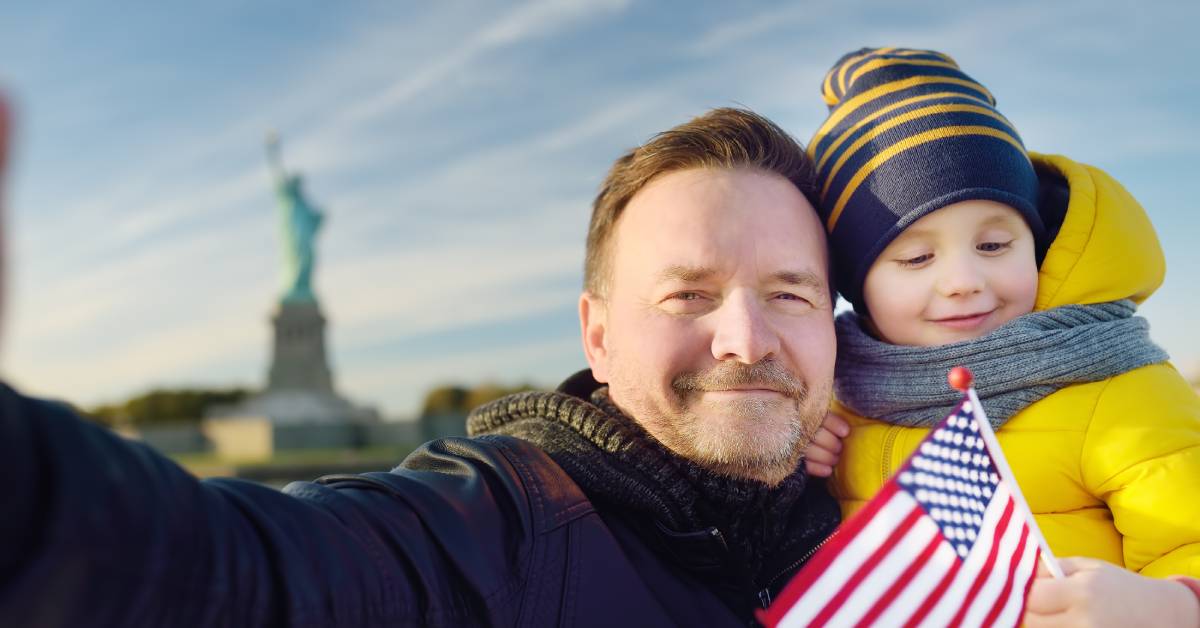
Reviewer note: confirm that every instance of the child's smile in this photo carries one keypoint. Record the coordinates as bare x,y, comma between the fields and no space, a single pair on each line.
965,322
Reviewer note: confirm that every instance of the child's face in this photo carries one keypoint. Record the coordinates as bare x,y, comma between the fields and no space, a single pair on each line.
955,274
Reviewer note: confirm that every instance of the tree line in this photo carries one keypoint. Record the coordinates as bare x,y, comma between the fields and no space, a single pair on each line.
189,405
456,399
166,405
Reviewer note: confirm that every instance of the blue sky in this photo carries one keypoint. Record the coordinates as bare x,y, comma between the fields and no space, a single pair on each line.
455,148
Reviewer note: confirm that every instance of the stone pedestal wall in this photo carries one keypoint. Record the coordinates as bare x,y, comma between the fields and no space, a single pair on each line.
298,359
300,388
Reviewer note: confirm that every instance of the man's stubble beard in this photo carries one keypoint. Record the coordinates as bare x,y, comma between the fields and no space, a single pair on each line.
751,438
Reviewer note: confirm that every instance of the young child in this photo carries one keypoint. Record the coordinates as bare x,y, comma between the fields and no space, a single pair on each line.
956,246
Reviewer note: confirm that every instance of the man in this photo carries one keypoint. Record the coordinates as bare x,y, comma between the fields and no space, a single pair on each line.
670,496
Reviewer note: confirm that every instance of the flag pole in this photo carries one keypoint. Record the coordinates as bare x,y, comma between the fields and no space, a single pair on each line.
960,378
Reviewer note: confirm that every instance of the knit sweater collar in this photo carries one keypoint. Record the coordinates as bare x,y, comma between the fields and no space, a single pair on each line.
616,462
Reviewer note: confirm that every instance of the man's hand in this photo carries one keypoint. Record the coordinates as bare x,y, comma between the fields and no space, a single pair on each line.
823,454
1096,593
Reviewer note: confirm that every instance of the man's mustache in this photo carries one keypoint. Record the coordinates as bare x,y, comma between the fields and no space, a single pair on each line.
768,374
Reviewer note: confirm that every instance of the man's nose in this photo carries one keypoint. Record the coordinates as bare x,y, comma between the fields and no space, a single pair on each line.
743,332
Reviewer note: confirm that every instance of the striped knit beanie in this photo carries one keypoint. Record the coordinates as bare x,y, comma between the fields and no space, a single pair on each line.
909,133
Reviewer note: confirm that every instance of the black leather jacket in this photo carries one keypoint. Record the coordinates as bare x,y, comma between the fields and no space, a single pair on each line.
99,531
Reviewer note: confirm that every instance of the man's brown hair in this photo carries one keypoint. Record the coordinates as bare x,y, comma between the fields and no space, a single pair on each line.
725,138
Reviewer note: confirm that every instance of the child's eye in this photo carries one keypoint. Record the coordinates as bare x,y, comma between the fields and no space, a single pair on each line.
915,261
993,247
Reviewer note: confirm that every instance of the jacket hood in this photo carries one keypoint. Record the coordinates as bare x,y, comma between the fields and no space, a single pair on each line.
1105,249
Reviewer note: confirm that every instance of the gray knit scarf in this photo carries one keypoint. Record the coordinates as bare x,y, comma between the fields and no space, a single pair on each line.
1026,359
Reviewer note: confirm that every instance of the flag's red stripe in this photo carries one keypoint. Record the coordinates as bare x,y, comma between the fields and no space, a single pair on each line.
1037,555
867,567
983,574
1002,600
938,591
817,565
903,581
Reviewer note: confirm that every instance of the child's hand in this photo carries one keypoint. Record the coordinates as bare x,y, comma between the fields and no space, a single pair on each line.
826,448
1096,593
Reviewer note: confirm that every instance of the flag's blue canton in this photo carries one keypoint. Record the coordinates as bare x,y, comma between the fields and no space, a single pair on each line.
953,478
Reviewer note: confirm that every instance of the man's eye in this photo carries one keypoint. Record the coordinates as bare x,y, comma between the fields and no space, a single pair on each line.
993,247
687,299
788,296
915,261
686,303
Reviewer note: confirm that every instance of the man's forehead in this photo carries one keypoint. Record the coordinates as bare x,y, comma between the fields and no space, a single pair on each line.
707,223
708,202
684,273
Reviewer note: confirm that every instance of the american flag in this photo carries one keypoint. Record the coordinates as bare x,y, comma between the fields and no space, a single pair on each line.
948,541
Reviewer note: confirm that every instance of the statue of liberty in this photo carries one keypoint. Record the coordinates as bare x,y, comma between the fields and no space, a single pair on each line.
299,222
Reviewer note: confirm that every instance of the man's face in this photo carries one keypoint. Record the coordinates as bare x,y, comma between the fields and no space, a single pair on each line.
953,275
717,333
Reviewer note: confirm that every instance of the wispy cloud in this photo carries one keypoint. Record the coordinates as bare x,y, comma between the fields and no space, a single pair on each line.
734,33
541,18
183,234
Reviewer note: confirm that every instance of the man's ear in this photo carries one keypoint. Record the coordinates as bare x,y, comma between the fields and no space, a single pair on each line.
593,323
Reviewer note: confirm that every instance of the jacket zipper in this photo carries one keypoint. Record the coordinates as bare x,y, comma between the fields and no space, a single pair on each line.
885,473
764,595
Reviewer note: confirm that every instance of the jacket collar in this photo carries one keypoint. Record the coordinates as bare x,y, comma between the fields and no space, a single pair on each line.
703,521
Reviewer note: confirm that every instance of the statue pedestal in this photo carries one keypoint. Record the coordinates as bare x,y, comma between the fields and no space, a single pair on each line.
297,407
298,361
299,383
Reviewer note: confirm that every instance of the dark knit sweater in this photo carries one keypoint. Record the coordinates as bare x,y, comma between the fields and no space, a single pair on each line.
764,531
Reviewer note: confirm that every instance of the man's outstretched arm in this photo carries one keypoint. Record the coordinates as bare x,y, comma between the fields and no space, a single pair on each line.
97,530
101,531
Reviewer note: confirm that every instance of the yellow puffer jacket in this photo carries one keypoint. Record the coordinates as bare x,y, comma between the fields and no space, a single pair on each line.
1111,469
